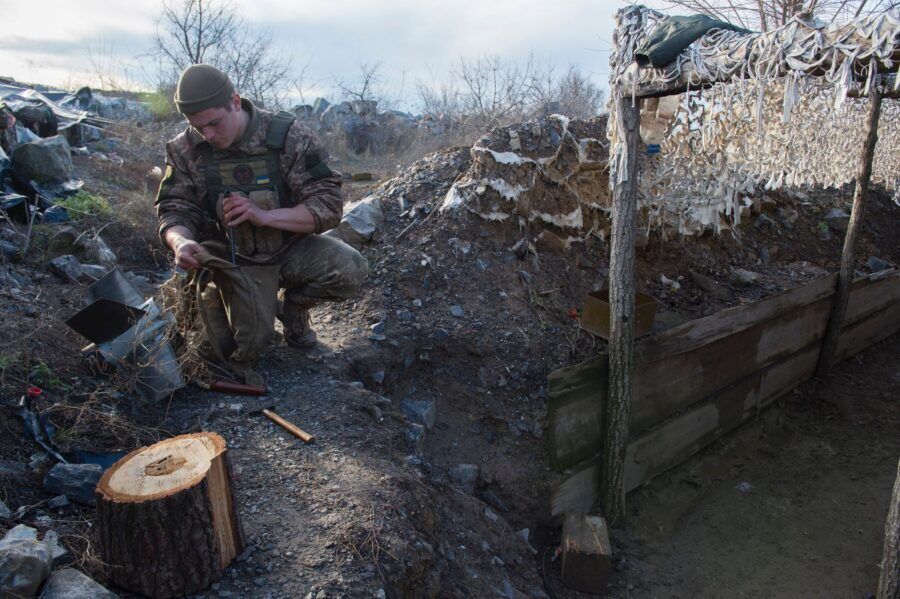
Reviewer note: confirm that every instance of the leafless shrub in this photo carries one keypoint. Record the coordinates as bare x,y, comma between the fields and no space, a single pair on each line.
764,15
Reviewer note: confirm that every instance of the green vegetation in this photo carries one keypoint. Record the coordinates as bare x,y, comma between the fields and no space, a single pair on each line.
43,376
85,205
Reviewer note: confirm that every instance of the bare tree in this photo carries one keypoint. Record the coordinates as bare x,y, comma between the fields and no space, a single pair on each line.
571,93
764,15
493,91
364,87
211,31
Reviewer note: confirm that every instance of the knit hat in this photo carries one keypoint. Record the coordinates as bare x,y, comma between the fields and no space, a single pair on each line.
202,86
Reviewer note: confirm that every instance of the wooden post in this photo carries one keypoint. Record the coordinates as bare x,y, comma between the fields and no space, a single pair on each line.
845,276
889,583
621,300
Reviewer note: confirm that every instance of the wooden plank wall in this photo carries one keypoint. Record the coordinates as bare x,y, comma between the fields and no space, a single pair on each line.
702,379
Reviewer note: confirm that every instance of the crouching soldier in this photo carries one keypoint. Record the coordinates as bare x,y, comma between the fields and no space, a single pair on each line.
245,181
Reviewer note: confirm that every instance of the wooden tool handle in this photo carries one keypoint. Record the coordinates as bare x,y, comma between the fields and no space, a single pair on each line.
296,430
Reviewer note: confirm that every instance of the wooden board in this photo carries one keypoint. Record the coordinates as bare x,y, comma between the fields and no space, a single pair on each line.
792,347
576,395
739,342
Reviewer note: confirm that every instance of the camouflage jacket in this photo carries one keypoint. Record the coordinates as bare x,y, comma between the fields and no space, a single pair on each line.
181,199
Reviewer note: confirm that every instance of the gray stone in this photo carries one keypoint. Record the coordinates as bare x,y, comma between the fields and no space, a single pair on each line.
8,249
55,214
24,562
44,160
876,264
788,217
64,242
837,219
320,105
59,555
465,476
415,437
72,584
67,267
743,278
457,311
76,481
20,532
764,222
4,510
95,250
377,328
60,501
420,411
378,376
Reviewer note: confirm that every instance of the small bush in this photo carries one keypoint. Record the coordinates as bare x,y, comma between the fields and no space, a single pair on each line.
85,205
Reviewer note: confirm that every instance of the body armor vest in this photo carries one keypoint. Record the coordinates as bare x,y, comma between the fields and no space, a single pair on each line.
258,177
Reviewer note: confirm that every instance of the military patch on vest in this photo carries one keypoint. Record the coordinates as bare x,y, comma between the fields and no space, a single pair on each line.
243,174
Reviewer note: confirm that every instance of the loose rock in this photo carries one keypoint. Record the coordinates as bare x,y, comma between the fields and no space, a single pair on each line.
743,278
876,264
72,584
67,267
464,475
837,219
24,562
419,411
76,481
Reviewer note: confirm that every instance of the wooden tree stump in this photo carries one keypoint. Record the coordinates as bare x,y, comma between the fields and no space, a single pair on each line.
167,519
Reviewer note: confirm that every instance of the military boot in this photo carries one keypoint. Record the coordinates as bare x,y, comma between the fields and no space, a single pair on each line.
296,323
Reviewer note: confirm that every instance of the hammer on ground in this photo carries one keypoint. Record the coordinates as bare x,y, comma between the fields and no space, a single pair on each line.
288,426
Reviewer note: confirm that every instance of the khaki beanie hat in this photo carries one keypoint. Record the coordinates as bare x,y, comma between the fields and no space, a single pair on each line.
202,86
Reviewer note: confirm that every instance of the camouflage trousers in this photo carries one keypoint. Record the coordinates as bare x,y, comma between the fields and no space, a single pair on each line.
314,269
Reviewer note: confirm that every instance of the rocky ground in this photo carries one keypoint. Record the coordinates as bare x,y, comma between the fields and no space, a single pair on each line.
426,395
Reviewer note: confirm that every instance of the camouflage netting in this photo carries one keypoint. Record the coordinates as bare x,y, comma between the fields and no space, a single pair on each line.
551,171
779,115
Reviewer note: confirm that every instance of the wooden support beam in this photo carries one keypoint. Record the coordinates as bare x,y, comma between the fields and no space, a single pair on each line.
845,276
621,299
889,583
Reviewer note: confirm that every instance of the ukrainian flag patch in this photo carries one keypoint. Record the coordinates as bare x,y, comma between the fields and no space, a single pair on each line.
262,180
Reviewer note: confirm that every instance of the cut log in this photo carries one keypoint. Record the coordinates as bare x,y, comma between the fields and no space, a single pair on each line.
166,516
586,553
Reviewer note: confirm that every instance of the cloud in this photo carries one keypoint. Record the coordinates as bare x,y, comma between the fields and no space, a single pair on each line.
412,39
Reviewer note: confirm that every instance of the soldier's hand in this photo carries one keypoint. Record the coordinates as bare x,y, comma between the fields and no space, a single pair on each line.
185,251
239,209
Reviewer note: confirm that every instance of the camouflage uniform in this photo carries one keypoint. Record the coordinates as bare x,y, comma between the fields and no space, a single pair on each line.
313,267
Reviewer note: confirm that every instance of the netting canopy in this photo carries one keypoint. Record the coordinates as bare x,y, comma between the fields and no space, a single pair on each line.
753,112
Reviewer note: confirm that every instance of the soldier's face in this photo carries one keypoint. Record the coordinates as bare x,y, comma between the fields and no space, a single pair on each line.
221,127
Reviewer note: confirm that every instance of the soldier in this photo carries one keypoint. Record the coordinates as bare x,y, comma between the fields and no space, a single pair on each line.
262,177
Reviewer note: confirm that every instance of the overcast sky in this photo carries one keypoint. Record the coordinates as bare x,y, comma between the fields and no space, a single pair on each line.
67,42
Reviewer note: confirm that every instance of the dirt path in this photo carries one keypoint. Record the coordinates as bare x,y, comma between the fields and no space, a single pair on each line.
792,505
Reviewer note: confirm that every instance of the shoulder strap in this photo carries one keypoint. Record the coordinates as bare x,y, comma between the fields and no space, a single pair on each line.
212,176
278,129
275,137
